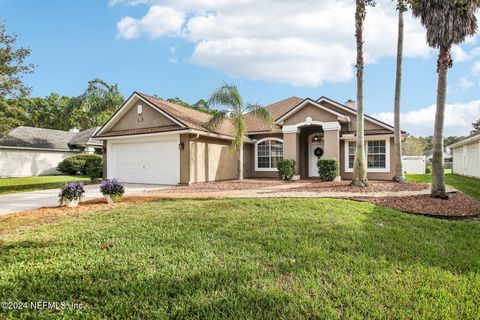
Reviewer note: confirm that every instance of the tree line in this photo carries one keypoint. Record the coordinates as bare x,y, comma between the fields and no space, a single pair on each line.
93,107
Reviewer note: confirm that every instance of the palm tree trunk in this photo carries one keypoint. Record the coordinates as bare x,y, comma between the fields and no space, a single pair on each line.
360,164
240,162
438,173
399,175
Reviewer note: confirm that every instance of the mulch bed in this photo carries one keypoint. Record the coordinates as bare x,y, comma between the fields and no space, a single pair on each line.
458,206
374,186
227,185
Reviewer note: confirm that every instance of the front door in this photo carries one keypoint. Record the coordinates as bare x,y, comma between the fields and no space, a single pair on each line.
315,152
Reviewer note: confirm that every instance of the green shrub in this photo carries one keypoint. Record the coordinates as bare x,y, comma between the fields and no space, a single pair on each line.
327,169
76,164
286,168
428,169
94,168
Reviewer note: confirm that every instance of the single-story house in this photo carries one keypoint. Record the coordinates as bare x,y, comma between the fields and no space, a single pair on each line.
28,151
466,156
149,140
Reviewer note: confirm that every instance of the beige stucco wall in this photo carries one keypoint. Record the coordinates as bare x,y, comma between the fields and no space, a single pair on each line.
148,119
370,175
352,126
314,112
206,159
26,163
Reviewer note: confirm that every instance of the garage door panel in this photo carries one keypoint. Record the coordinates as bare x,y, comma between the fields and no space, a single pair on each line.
145,162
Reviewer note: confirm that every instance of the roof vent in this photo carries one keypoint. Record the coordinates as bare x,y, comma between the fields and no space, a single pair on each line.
75,130
351,104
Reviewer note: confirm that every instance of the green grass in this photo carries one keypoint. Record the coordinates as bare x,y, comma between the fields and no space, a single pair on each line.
467,185
249,258
12,185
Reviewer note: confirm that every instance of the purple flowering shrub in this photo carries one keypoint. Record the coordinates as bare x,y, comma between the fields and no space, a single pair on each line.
71,191
112,188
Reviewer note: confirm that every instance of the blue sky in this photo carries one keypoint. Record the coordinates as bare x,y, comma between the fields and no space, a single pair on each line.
186,48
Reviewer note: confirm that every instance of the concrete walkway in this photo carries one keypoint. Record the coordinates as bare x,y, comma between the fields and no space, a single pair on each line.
21,201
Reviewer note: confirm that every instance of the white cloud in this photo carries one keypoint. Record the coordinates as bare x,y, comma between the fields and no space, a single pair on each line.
476,68
158,22
296,42
459,55
458,119
465,84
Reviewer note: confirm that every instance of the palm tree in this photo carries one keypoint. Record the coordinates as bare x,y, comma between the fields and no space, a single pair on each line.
448,22
228,97
399,175
360,163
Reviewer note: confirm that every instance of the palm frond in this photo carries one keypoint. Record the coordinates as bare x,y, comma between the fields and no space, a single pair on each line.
214,122
447,22
261,113
228,96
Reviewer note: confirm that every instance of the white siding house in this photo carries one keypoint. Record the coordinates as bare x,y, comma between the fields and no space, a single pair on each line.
27,151
466,156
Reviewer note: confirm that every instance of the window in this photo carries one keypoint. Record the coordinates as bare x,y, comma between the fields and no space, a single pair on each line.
377,152
139,109
268,152
351,153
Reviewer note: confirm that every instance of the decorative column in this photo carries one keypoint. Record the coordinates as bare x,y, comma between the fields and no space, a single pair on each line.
291,148
332,141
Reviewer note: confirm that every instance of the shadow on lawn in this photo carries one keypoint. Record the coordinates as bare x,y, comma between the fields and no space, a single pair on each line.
266,262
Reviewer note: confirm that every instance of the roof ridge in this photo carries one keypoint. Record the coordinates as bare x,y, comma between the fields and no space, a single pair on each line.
168,102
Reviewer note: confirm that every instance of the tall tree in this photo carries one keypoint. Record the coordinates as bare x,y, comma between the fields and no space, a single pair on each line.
448,22
228,97
399,175
476,127
360,163
12,66
413,146
95,105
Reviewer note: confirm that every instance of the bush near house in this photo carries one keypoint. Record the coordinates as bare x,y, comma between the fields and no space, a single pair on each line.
428,169
327,169
77,164
286,168
94,168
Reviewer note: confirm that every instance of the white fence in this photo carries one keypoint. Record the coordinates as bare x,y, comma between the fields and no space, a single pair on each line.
414,164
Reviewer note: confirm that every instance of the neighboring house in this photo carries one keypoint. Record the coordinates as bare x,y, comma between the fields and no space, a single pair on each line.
149,140
466,156
28,151
447,154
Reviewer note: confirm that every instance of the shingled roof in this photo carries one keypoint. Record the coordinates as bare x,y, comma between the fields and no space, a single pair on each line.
189,117
84,138
30,137
41,138
276,110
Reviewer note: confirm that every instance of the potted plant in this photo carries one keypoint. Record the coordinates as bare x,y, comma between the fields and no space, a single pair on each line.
112,190
71,193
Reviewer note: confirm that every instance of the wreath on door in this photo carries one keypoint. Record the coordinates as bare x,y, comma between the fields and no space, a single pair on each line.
318,152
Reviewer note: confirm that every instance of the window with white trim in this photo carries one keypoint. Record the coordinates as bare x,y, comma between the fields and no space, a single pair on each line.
376,152
268,152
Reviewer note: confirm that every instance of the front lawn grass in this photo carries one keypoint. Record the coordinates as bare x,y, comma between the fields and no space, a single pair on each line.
12,185
470,186
246,259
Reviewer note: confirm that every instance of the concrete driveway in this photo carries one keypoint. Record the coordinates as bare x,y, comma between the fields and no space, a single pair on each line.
21,201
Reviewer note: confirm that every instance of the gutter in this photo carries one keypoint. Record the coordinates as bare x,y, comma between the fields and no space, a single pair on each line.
39,149
465,141
188,131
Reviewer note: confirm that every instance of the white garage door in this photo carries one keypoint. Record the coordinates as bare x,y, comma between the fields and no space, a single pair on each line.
155,161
